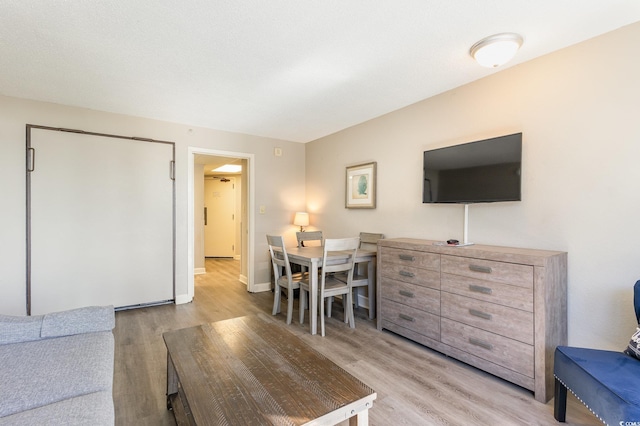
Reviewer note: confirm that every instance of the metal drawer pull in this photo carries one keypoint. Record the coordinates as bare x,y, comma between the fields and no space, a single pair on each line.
407,257
478,268
406,293
407,274
407,317
480,314
480,289
481,343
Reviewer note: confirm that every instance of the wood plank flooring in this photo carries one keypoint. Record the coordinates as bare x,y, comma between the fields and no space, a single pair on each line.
415,385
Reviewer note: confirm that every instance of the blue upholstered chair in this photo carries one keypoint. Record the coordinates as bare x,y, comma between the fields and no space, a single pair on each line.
607,382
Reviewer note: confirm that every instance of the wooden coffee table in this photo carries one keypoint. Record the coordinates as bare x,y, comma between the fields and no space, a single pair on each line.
249,371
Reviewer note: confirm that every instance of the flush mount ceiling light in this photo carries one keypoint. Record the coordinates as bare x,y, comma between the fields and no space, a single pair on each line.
496,50
229,168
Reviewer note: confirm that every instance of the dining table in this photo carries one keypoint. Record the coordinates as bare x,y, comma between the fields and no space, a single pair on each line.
311,257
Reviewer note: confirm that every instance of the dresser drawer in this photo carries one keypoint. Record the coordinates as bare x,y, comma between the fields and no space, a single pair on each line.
412,295
416,259
488,270
489,291
516,356
502,320
410,274
414,319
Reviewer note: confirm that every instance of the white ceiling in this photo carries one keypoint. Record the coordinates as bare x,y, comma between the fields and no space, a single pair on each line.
288,69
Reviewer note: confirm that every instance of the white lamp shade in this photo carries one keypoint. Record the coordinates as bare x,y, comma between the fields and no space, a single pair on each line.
496,50
301,219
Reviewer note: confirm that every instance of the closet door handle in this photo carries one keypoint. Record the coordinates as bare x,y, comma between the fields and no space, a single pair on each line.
205,216
407,257
31,159
407,274
406,293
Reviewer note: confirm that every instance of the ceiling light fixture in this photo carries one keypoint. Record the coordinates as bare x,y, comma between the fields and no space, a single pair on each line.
496,50
229,168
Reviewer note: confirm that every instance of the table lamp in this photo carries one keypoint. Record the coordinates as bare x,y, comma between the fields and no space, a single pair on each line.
301,219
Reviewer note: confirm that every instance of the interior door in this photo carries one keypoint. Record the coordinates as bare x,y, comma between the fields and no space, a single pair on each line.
100,221
219,229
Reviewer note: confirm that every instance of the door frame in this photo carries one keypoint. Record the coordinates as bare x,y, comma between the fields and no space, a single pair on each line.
192,151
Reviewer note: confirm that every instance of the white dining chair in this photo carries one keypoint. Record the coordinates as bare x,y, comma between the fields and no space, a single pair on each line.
284,279
369,242
308,236
328,285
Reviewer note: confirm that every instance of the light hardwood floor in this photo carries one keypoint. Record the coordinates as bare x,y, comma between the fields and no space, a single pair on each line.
415,385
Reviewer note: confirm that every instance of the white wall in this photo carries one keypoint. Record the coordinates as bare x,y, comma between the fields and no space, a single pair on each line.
579,111
279,182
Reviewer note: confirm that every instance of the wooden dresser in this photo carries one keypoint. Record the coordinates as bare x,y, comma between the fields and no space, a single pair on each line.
500,309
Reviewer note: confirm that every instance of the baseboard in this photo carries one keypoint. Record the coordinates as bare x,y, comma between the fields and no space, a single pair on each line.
237,257
260,287
199,271
183,298
243,279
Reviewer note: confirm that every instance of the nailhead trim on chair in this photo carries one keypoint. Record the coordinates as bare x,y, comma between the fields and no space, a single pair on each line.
579,399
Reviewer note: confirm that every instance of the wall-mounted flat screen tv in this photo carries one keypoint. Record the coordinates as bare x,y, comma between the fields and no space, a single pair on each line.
484,171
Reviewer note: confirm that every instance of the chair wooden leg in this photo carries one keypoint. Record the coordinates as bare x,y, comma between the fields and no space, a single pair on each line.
276,300
372,300
560,402
303,302
329,305
321,315
289,305
348,309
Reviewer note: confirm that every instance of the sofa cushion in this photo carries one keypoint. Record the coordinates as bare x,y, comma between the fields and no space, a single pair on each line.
42,372
76,321
92,409
15,329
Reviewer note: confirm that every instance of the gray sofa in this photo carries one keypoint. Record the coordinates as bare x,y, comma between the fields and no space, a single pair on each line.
57,369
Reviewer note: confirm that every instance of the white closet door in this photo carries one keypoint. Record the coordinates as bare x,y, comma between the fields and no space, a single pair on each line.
101,221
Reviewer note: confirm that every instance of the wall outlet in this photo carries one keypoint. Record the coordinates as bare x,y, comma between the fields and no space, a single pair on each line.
263,209
277,152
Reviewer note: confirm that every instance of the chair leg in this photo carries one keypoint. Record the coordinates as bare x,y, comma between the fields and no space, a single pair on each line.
329,305
560,402
276,300
355,289
289,305
303,302
321,315
348,309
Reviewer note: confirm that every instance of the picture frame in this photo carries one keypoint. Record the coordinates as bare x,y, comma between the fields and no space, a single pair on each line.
360,186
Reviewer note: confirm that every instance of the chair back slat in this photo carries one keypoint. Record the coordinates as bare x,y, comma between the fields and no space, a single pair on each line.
279,257
369,241
309,236
349,245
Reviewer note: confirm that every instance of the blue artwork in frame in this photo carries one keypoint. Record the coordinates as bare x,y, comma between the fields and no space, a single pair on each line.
360,191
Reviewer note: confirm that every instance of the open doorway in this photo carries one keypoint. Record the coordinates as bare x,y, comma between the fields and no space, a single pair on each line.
238,243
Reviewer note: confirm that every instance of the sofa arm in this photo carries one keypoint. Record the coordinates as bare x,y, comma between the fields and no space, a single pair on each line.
77,321
15,329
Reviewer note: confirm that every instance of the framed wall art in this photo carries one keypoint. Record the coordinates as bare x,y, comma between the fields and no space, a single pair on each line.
361,186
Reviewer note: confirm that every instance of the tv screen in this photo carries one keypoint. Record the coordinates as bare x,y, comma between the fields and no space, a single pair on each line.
484,171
